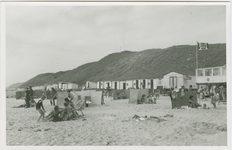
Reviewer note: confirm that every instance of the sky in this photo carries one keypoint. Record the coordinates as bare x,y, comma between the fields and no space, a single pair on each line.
42,39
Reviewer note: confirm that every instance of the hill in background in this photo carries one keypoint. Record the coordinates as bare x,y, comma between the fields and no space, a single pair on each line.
13,86
146,64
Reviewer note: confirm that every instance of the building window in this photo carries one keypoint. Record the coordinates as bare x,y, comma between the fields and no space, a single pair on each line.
160,82
216,72
223,70
208,72
199,72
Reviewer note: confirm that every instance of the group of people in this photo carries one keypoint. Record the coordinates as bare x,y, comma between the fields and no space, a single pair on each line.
69,112
151,99
218,91
193,103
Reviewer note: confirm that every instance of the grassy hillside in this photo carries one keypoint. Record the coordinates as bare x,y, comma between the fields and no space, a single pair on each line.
13,86
151,63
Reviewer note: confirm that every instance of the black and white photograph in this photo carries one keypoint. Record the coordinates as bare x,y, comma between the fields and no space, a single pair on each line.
115,74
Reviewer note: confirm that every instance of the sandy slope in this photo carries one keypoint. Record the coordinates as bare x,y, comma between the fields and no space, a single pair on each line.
112,124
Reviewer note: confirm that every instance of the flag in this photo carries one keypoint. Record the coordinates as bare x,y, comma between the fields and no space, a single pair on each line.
202,46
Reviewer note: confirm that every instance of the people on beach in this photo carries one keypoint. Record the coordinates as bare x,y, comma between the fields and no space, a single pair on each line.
190,88
68,112
54,115
174,99
222,92
205,106
53,97
40,108
200,94
31,93
214,99
153,98
143,98
182,90
157,93
192,103
27,97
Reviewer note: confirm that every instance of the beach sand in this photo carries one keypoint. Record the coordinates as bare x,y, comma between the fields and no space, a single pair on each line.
112,125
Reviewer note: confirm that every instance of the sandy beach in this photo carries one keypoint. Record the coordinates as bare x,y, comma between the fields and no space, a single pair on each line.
112,125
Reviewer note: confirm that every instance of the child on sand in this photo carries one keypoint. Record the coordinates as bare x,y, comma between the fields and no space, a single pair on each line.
213,100
40,107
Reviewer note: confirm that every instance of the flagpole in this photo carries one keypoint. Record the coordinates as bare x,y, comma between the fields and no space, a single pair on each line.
197,56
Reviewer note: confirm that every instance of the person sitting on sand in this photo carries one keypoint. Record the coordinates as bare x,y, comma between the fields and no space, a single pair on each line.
192,103
143,98
68,113
205,106
153,98
214,99
40,108
149,99
54,115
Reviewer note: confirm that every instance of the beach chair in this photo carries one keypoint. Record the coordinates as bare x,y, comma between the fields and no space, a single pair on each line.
80,105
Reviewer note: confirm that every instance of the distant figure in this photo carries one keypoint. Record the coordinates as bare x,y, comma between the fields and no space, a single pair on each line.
222,92
157,93
214,99
190,88
53,97
201,95
182,90
27,97
143,98
31,93
153,98
40,107
102,98
173,95
192,103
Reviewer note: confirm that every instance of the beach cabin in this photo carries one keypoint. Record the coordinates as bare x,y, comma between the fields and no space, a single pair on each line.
174,79
129,84
67,85
211,75
158,83
143,83
136,84
122,85
107,84
91,85
115,85
100,85
10,93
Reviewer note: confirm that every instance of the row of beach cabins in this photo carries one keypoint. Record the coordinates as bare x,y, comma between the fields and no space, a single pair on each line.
203,77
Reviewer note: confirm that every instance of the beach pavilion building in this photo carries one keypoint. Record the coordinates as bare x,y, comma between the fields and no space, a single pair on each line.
211,76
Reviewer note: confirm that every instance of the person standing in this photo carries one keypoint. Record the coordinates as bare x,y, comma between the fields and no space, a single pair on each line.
190,88
222,92
40,107
214,99
174,99
182,89
53,97
27,97
31,94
